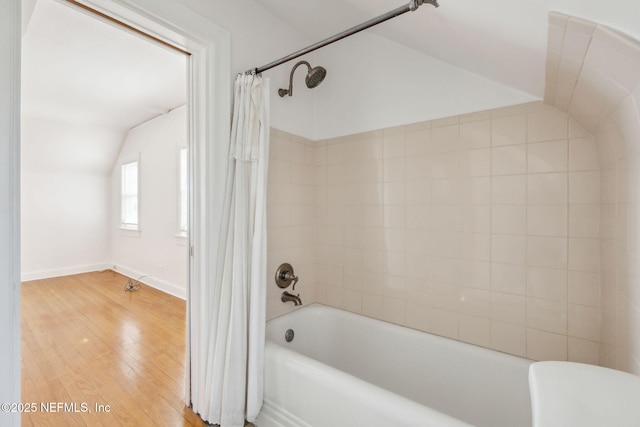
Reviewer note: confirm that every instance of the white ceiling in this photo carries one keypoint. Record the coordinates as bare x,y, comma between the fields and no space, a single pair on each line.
82,71
503,40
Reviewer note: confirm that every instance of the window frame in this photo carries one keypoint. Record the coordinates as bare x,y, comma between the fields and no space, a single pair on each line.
183,193
124,225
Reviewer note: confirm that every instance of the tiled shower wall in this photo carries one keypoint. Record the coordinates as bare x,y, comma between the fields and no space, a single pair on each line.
593,72
483,228
291,217
489,228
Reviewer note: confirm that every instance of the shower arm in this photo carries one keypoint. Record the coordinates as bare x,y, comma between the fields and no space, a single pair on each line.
283,92
412,6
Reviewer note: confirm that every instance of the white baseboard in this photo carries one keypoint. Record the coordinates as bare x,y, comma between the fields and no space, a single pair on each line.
65,271
161,285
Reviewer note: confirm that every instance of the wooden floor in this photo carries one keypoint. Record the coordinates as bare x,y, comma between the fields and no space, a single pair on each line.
88,343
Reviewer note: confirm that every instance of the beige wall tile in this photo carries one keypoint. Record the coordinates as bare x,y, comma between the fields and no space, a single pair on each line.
550,252
510,130
584,221
459,227
547,220
418,142
394,194
394,170
474,330
418,316
547,188
584,187
508,308
475,274
417,265
600,101
547,283
475,162
393,310
509,278
547,125
549,156
418,192
509,338
583,155
372,305
584,255
547,315
418,217
543,345
508,219
353,301
393,144
475,246
509,160
475,134
584,322
508,249
509,190
445,139
584,288
583,351
444,323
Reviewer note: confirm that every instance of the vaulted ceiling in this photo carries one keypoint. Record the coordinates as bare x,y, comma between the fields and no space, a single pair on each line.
81,71
86,82
503,40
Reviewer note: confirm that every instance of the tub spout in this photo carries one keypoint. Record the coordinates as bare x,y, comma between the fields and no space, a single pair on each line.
286,296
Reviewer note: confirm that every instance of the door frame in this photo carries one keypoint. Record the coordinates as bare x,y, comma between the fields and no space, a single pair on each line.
208,109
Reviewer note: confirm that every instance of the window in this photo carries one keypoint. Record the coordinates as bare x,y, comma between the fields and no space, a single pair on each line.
183,214
129,193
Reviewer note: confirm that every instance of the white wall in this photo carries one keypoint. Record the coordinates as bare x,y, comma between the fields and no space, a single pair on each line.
258,38
64,208
155,251
373,83
64,223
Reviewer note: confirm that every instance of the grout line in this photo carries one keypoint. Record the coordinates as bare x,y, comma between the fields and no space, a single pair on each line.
567,232
491,284
526,238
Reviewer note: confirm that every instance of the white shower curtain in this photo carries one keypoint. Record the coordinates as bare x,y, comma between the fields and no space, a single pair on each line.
227,350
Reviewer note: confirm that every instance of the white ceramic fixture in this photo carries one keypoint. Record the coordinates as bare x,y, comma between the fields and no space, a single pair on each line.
571,394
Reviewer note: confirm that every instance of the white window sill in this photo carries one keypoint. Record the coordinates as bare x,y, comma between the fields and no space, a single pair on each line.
181,239
129,232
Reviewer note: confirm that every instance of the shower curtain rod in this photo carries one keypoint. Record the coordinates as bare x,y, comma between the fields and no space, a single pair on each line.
413,5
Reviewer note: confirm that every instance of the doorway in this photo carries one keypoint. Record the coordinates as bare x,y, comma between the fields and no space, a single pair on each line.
208,103
93,96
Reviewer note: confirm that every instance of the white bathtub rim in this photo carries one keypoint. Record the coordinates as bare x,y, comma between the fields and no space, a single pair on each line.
322,307
310,366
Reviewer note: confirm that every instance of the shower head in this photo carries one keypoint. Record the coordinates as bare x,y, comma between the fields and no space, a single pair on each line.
314,77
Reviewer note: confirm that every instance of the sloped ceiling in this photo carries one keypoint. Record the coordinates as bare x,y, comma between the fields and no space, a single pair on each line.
82,75
503,40
81,71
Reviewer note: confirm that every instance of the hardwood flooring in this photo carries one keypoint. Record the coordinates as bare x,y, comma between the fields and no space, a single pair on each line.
87,343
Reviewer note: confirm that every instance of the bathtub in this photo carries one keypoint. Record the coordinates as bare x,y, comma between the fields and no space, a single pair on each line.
343,369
